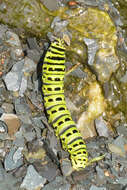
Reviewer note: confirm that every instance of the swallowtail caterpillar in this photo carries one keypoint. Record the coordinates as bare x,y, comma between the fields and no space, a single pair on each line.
53,71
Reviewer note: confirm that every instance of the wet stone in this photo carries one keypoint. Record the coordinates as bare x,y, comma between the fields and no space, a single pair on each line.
12,121
79,187
117,146
34,55
29,65
14,78
100,178
12,39
16,54
8,108
58,183
3,29
19,142
3,130
93,187
32,43
48,170
92,49
21,107
13,159
3,127
32,179
101,127
7,181
66,167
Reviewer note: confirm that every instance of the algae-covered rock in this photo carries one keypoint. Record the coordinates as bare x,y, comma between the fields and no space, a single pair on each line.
25,15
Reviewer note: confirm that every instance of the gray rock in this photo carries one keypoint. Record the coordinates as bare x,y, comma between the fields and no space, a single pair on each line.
93,187
79,187
101,127
21,107
92,49
12,39
14,78
122,180
3,29
7,181
34,55
32,179
58,184
119,141
19,141
66,167
8,108
3,130
29,65
13,159
17,54
100,176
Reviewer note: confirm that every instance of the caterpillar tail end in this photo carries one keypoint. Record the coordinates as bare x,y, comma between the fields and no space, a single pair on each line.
95,159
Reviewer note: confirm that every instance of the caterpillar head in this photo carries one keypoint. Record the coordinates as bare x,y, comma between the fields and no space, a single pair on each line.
79,162
59,42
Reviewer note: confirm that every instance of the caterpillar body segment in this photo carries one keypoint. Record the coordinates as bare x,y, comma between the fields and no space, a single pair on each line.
53,71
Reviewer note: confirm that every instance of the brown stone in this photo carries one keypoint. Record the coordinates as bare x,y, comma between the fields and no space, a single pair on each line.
12,121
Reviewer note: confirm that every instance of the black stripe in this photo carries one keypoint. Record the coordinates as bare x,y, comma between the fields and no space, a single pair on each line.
55,58
56,53
58,48
80,149
53,73
74,140
55,105
69,127
55,63
59,117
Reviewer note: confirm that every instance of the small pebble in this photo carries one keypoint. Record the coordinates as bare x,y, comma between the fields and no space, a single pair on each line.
32,179
12,159
93,187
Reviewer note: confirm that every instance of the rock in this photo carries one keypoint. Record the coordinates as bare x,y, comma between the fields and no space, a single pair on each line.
117,146
12,121
7,181
13,159
101,127
58,183
93,187
100,178
13,79
93,46
8,108
66,167
32,179
13,39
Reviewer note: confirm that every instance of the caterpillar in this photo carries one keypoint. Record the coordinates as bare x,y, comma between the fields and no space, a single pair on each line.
53,71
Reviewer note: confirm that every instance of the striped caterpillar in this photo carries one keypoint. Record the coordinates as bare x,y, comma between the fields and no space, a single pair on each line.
59,117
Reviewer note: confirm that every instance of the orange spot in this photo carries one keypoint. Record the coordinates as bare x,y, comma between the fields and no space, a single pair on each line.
72,3
1,73
47,19
2,61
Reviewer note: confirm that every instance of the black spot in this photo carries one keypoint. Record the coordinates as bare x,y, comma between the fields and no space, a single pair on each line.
54,111
68,134
61,122
75,145
57,79
67,119
75,131
58,99
58,88
50,100
60,109
49,89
